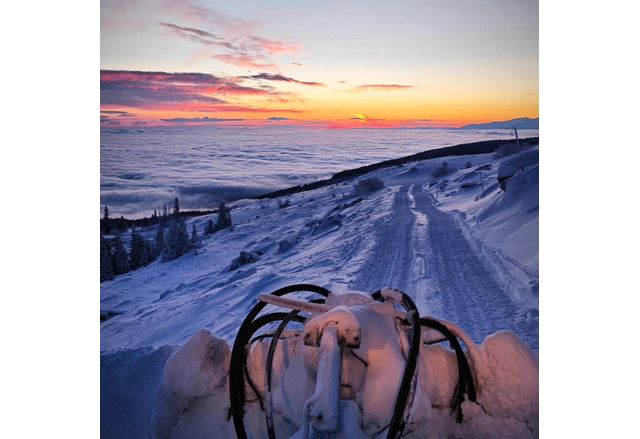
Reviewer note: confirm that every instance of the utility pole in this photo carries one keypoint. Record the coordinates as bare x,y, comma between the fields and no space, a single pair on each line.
519,153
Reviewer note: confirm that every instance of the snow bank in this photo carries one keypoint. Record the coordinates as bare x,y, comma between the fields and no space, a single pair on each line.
507,384
508,378
129,381
510,220
192,398
512,164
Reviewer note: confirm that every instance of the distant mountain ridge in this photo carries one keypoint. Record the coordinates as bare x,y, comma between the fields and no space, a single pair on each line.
523,123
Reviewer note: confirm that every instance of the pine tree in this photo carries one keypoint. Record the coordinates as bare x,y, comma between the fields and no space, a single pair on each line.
165,212
106,223
120,258
122,224
177,241
151,250
137,248
194,236
209,228
159,240
106,260
147,256
176,207
224,217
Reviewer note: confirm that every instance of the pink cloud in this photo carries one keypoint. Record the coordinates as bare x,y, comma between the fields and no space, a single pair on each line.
384,87
238,109
247,61
241,47
207,16
248,52
277,77
275,47
162,90
198,36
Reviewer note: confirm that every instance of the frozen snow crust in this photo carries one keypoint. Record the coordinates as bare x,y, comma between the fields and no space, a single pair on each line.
463,256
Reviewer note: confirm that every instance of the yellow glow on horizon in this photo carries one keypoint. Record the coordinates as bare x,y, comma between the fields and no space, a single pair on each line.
445,106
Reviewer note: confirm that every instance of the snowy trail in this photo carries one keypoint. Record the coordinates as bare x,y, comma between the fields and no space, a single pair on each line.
390,262
422,251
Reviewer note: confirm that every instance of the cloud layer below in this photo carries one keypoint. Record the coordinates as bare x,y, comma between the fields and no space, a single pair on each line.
206,164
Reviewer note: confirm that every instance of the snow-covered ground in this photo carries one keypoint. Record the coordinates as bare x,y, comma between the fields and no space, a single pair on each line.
463,255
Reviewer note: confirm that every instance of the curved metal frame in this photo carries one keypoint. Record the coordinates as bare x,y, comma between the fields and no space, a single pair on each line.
402,406
404,397
238,362
465,385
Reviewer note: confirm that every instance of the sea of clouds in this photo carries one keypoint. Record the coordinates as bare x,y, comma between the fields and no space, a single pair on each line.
141,169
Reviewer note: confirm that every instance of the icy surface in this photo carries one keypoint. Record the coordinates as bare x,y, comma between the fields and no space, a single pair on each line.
462,254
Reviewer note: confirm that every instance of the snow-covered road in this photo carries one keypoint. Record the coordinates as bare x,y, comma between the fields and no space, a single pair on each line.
422,251
389,263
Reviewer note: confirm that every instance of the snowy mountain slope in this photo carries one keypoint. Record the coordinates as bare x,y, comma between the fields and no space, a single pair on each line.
464,257
166,301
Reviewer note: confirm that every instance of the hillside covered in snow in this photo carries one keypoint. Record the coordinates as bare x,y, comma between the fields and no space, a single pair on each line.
458,234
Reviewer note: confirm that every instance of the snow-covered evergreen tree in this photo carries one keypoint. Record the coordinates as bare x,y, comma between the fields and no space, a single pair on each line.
122,224
177,240
176,207
209,228
106,222
137,248
194,236
106,260
151,248
148,254
165,213
159,240
120,257
224,217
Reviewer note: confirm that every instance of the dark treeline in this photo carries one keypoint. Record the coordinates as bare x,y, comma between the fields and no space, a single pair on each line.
121,224
171,238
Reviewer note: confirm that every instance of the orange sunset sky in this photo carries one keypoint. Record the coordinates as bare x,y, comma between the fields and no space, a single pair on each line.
334,64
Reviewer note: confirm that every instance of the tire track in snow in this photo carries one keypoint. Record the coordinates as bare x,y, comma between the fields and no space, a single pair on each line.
422,284
469,293
439,269
390,262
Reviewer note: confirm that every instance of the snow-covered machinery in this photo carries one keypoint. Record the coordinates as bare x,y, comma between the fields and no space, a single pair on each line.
369,366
